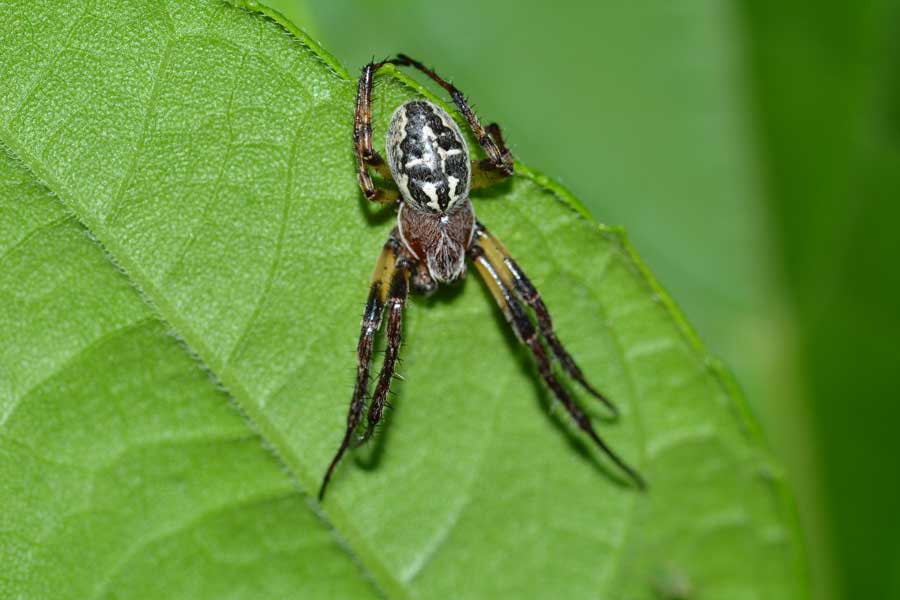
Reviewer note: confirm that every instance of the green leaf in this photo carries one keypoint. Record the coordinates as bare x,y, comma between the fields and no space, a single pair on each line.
119,459
207,152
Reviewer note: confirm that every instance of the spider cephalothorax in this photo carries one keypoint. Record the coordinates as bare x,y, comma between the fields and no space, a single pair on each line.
436,232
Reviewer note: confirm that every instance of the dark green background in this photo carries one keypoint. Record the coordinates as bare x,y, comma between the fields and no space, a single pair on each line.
752,150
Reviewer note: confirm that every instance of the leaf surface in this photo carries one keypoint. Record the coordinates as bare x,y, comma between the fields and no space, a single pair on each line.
207,151
119,460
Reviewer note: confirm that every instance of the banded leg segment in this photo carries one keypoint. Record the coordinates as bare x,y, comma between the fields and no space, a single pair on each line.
396,301
491,265
514,277
390,268
499,158
366,155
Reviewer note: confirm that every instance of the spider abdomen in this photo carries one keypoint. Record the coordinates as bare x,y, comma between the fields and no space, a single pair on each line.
428,157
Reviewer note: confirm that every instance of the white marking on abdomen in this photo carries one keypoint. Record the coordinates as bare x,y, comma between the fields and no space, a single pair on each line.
454,184
430,190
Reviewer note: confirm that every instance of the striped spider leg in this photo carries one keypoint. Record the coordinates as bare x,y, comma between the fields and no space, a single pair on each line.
510,287
390,283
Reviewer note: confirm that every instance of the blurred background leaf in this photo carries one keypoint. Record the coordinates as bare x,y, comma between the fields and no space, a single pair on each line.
827,90
752,150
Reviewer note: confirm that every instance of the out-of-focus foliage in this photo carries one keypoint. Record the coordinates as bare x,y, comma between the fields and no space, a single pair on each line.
827,86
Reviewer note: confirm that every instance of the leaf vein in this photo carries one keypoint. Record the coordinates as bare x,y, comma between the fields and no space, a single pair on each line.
33,233
145,123
102,585
48,69
217,184
80,354
278,252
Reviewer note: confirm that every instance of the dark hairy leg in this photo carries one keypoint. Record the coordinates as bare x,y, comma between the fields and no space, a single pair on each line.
491,266
366,155
396,301
388,289
515,277
484,172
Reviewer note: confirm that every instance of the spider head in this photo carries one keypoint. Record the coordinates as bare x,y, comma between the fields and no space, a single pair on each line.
428,157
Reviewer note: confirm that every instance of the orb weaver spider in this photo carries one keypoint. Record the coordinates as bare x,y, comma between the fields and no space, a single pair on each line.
436,231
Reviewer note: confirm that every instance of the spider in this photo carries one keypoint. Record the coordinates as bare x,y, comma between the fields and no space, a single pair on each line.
428,159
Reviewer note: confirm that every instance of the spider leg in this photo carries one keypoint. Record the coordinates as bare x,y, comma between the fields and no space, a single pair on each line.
491,270
387,267
499,158
513,276
396,301
366,155
484,172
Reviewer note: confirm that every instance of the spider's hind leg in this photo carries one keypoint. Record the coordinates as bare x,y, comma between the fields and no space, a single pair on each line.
388,290
396,301
515,277
508,284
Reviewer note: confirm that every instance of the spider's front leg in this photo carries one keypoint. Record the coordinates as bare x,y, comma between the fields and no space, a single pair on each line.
499,162
390,283
366,155
510,286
